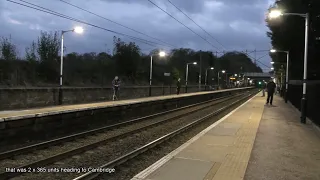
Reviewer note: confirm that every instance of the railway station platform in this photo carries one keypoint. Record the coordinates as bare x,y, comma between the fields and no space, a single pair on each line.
38,112
67,119
253,142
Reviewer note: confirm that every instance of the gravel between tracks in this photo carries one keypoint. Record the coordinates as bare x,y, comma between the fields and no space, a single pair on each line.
113,149
22,142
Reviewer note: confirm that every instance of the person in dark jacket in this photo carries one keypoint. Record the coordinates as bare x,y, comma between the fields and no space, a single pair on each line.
178,86
116,87
271,87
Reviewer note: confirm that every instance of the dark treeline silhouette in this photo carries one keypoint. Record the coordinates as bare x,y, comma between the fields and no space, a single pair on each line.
288,34
41,64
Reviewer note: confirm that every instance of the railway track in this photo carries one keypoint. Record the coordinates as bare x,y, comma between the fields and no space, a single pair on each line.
116,162
92,139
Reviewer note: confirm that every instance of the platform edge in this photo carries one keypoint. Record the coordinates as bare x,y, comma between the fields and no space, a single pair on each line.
143,174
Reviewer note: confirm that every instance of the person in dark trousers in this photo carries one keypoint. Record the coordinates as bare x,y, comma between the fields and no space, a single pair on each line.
178,86
116,87
271,87
264,87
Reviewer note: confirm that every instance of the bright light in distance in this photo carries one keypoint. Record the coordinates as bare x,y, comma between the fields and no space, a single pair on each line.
251,81
235,75
211,68
273,50
223,71
248,78
272,68
195,63
78,30
272,62
275,14
162,54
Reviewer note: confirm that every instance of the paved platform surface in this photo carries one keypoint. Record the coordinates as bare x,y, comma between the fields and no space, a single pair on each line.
11,115
284,149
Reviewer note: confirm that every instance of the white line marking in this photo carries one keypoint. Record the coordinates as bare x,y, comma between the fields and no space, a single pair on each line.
143,174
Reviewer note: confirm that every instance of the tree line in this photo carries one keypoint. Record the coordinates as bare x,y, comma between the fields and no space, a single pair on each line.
41,64
288,34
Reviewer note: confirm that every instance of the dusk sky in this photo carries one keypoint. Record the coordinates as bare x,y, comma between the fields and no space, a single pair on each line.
236,24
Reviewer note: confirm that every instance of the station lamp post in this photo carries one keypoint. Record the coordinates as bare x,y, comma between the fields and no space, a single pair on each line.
287,72
223,71
278,13
161,54
187,72
78,30
205,82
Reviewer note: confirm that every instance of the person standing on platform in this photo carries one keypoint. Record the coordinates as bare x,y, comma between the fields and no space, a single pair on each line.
116,87
264,88
178,86
271,87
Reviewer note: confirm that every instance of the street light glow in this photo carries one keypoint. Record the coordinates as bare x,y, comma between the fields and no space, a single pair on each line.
211,68
275,14
162,53
272,68
78,30
223,71
195,63
272,62
235,75
273,50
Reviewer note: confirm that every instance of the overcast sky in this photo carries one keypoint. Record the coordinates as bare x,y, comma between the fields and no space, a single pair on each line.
236,24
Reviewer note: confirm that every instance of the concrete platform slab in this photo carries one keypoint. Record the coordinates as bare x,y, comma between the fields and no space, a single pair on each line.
214,153
222,131
233,125
179,168
208,139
